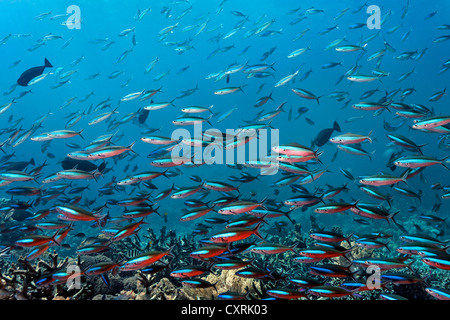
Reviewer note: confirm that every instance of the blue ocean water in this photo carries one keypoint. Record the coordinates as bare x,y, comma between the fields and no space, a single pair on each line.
204,25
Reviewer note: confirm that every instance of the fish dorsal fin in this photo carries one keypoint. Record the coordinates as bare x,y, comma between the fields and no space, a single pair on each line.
295,144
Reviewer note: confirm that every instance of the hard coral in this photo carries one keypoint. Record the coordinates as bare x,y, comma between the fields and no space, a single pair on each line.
164,290
224,281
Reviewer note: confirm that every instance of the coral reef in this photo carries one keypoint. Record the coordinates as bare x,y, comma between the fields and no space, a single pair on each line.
23,279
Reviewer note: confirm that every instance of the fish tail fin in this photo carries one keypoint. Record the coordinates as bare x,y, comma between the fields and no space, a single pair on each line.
79,133
214,285
388,200
443,162
294,247
391,217
207,119
321,198
263,219
364,47
371,154
405,176
387,247
264,200
54,238
317,154
156,211
336,127
287,214
47,63
419,195
409,265
256,231
349,237
165,174
271,67
169,252
116,270
94,174
130,147
368,136
419,147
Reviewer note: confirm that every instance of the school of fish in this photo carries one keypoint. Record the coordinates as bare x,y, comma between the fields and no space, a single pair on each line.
111,166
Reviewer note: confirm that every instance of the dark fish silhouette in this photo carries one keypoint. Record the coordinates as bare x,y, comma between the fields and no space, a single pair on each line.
16,165
69,163
32,73
21,215
143,114
325,135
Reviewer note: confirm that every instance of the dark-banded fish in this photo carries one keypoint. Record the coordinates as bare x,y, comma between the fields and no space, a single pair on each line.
27,76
